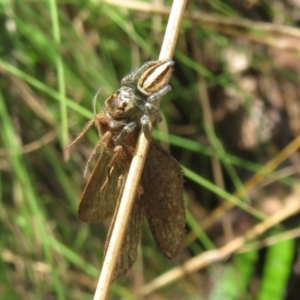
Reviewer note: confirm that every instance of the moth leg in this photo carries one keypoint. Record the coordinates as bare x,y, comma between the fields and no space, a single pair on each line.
82,133
134,76
106,137
118,151
121,136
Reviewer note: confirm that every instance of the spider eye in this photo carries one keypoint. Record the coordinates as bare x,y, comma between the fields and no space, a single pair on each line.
156,77
124,96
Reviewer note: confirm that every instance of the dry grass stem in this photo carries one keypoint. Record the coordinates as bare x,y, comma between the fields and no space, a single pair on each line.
30,98
205,259
136,168
207,114
270,241
253,181
274,35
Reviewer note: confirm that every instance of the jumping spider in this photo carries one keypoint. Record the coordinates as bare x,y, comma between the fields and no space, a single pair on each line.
136,103
140,94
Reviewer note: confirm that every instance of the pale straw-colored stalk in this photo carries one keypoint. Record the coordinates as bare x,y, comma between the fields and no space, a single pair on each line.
136,168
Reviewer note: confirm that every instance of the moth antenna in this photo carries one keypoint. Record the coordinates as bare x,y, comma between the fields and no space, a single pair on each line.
95,101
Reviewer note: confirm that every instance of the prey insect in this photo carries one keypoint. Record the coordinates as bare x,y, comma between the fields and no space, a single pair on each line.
160,195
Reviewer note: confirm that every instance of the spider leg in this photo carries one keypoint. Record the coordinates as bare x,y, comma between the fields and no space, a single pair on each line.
121,136
156,96
134,76
150,118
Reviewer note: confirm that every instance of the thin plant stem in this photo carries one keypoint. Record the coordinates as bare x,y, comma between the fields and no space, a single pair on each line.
60,74
136,168
204,259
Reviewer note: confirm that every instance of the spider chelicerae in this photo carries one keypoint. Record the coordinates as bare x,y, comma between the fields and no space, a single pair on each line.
139,95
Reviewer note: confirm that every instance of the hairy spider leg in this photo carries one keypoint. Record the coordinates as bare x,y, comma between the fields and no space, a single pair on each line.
127,129
135,75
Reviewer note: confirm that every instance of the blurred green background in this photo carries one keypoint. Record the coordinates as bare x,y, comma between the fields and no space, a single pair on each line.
234,106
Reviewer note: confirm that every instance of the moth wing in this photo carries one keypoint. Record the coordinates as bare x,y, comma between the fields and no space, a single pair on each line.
131,240
162,182
100,195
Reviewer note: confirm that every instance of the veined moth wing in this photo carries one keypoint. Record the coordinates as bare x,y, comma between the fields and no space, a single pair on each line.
101,193
132,236
162,182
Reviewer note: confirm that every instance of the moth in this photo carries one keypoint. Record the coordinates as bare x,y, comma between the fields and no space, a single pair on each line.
160,194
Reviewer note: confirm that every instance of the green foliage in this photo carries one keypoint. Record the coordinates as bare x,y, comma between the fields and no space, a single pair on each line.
276,271
235,278
54,58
